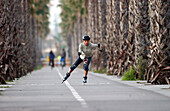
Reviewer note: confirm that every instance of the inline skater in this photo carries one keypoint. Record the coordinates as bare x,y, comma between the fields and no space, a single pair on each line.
84,54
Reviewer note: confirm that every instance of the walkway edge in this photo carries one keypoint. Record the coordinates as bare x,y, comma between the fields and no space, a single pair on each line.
161,89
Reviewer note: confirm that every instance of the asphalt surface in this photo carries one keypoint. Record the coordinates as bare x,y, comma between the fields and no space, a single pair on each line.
42,91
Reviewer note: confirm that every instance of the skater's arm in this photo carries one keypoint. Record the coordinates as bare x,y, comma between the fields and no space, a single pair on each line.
80,50
79,53
94,45
97,45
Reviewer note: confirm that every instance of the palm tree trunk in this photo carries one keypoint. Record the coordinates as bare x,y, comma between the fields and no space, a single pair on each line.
159,65
92,27
17,43
130,57
102,33
109,37
96,58
116,27
141,36
123,34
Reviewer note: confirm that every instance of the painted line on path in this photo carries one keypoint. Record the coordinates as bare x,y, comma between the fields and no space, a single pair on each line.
74,92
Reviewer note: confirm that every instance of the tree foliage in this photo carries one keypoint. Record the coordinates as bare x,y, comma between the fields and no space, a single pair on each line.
40,10
70,10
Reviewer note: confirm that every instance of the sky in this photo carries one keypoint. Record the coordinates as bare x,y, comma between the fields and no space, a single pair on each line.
54,13
49,42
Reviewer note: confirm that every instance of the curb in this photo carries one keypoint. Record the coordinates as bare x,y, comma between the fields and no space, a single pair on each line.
161,89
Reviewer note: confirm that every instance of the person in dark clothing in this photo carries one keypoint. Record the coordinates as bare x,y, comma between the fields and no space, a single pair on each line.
51,57
63,56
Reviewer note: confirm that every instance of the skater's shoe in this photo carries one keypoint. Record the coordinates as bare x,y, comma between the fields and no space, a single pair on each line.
85,79
66,77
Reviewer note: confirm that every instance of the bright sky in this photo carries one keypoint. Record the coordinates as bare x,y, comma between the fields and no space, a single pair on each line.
54,13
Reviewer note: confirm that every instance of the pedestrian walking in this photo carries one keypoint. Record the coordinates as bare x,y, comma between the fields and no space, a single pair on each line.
51,57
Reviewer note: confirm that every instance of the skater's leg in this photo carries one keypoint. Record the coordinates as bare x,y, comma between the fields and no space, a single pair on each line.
85,76
69,71
85,73
86,65
78,61
67,75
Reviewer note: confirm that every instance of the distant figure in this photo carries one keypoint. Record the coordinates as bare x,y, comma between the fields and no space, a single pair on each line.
51,57
63,56
58,59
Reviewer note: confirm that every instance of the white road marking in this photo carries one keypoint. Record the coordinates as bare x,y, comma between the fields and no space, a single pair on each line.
74,92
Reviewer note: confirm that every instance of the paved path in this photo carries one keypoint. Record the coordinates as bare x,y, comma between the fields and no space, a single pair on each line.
42,91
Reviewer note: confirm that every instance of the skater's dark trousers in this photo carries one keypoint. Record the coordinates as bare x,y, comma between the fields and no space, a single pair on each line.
78,61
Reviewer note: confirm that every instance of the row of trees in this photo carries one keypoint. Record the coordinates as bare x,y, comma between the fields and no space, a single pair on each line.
22,23
135,33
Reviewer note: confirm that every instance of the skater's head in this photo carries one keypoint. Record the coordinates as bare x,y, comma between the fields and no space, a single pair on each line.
86,40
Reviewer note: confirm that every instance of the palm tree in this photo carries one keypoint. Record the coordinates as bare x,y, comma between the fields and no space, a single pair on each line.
159,65
102,33
130,54
94,29
109,36
18,44
116,27
141,35
123,35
